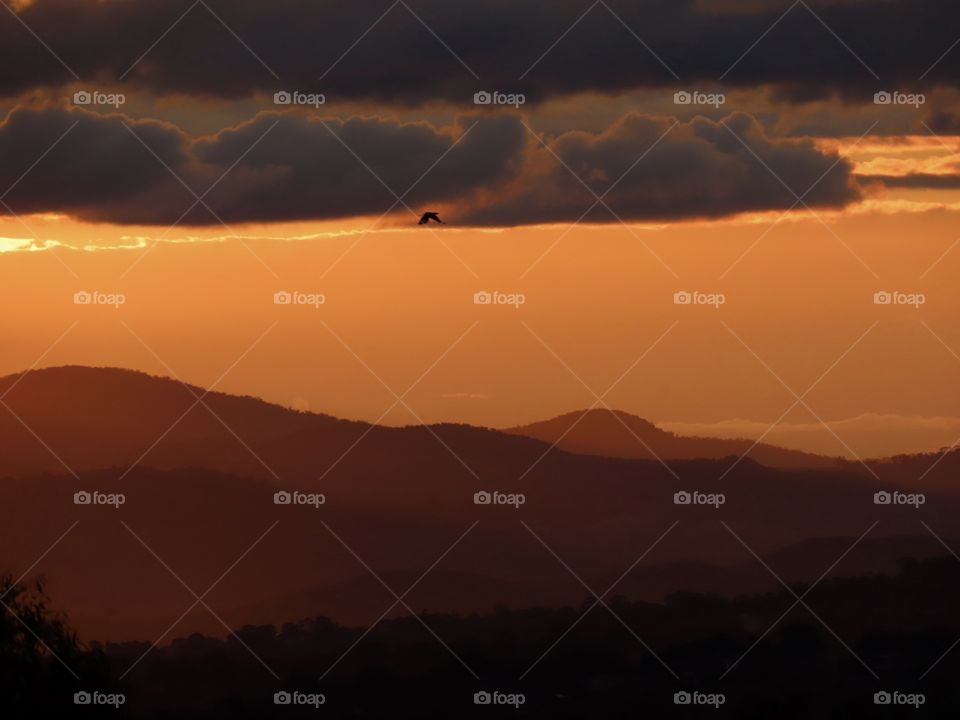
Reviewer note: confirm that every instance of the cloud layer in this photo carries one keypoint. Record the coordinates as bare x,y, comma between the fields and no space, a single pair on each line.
276,167
645,168
445,50
488,170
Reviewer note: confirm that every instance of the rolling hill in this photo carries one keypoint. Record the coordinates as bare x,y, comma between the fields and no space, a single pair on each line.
199,485
620,434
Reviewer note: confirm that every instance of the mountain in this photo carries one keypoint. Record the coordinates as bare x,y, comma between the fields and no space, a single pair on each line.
199,480
119,572
81,418
619,434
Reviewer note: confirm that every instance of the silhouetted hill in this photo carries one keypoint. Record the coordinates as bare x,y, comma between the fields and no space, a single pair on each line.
598,515
91,418
852,638
762,651
82,418
620,434
399,498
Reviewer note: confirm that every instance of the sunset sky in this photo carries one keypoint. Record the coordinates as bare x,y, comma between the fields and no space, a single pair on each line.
146,158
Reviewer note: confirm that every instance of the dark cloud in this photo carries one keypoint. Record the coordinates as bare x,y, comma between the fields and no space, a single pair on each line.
697,169
402,61
752,6
490,171
276,167
915,181
91,166
944,123
301,170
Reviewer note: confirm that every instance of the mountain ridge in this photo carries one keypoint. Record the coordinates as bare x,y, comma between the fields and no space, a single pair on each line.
615,433
398,497
67,403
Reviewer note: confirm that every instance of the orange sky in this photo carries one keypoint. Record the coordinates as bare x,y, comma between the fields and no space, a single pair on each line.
401,296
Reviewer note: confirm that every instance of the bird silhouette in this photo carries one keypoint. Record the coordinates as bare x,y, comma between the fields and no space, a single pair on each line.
428,216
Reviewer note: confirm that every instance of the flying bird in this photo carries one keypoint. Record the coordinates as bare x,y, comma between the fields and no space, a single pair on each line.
428,216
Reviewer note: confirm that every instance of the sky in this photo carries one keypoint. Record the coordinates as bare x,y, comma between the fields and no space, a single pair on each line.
730,218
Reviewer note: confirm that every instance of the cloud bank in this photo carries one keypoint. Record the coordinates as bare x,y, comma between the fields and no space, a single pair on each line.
445,50
487,171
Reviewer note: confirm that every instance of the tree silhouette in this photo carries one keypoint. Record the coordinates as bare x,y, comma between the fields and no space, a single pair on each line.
42,663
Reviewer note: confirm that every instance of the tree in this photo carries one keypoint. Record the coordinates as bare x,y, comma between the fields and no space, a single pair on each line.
42,663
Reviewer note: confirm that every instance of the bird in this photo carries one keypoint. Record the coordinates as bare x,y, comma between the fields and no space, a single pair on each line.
428,216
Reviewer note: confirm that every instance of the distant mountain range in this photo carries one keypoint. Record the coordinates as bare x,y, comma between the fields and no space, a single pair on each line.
92,418
619,434
199,481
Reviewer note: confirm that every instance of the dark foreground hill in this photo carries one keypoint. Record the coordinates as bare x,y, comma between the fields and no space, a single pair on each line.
755,656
